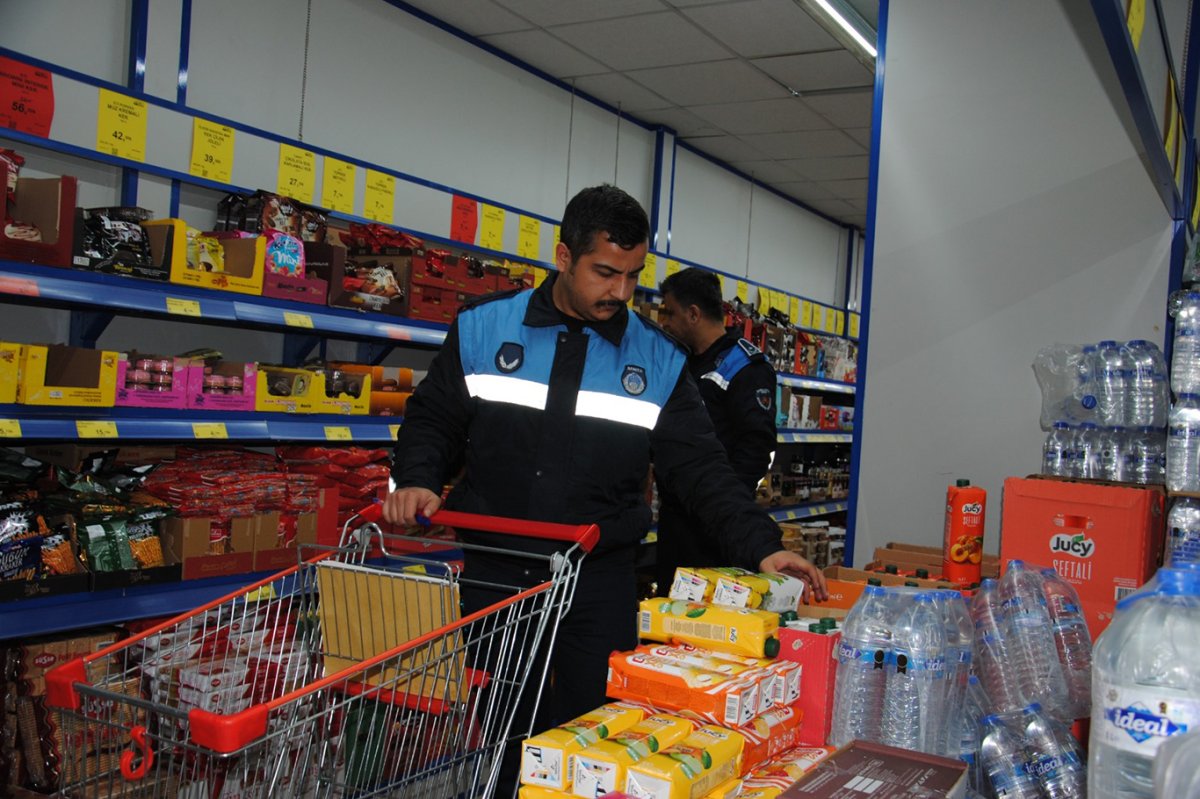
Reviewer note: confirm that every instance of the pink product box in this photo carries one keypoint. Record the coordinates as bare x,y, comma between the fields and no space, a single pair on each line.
310,289
236,390
162,385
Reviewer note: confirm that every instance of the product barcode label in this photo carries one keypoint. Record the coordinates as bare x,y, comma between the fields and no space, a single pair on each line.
644,622
1123,592
733,709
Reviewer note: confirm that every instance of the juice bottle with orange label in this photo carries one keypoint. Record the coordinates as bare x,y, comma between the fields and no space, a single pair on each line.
962,548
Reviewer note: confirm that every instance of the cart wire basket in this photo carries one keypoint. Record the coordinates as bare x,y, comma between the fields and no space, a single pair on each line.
352,674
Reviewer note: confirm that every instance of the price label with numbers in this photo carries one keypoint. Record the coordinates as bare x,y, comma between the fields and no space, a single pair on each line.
209,430
10,428
854,325
394,430
1135,20
297,320
806,314
338,434
529,237
379,202
818,317
297,173
648,277
557,235
491,228
183,307
337,185
212,150
743,290
26,98
721,283
673,266
121,126
87,429
794,310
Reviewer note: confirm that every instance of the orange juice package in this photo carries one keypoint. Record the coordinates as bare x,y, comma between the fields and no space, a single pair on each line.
962,545
726,790
769,736
767,690
546,758
671,685
790,766
693,585
741,631
602,767
691,769
788,673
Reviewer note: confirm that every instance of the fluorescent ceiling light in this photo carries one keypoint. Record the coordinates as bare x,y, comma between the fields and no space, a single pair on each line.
844,23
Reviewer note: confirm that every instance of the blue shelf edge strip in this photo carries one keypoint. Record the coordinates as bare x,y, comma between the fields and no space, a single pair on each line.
808,510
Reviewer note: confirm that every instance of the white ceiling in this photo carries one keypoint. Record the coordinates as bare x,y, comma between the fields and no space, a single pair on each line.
757,84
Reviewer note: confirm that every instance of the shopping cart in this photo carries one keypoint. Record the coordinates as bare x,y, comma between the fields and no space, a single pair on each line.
349,675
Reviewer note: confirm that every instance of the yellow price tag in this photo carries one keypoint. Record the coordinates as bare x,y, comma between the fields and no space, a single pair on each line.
839,322
743,290
529,236
209,430
338,434
721,282
1135,20
673,266
648,277
10,428
264,592
297,319
212,150
764,300
297,173
96,429
491,228
779,302
394,430
830,320
806,314
794,310
854,325
379,202
1179,153
818,317
121,126
557,236
337,187
539,276
183,307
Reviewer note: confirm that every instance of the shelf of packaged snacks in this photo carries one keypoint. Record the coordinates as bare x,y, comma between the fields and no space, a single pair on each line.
812,437
807,510
116,294
815,383
29,422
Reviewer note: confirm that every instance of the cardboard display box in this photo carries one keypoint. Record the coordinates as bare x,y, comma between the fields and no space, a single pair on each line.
391,386
197,397
10,370
299,383
374,283
882,772
268,556
1105,539
846,585
243,258
62,375
163,242
148,396
188,543
48,203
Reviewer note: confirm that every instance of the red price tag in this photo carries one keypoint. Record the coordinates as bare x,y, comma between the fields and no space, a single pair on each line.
26,98
464,219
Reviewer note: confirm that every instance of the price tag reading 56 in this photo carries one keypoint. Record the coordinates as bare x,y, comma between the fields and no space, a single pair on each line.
121,126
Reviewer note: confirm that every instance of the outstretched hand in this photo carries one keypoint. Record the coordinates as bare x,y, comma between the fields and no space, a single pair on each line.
785,562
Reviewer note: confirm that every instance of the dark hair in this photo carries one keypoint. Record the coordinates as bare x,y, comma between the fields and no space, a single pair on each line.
604,209
697,287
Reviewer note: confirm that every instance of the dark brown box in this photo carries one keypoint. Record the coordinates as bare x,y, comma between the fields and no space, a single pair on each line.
882,772
48,203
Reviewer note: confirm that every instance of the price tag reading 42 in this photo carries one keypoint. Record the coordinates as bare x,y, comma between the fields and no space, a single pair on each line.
121,126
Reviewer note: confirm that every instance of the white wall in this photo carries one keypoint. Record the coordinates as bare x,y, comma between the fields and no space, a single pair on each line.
1012,213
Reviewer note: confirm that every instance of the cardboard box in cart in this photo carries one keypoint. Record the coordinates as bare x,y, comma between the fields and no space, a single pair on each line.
1106,539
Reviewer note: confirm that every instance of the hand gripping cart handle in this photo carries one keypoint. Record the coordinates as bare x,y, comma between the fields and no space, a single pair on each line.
354,673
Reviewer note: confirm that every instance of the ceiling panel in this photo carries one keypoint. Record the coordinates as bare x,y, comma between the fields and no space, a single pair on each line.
547,53
763,27
860,135
545,13
806,191
805,144
727,148
761,116
709,83
834,69
682,121
768,171
614,87
835,208
476,17
849,110
650,40
848,189
841,168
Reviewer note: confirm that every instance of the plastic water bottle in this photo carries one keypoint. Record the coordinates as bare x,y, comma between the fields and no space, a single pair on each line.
1147,385
960,637
1112,398
1085,461
1183,533
1003,758
1073,642
862,669
1185,353
1113,458
974,709
1029,642
915,675
1087,374
1056,452
991,660
1175,773
1145,683
1147,456
1183,444
1057,761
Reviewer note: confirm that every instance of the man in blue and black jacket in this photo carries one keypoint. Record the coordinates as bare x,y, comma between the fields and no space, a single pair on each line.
552,403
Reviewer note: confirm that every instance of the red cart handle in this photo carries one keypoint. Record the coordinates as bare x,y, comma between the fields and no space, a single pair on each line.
130,772
585,535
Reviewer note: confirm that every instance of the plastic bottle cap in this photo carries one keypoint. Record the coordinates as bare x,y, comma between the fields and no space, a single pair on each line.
1032,707
891,568
873,582
988,582
923,573
788,615
912,584
992,721
1107,343
1061,425
961,483
771,647
829,620
816,628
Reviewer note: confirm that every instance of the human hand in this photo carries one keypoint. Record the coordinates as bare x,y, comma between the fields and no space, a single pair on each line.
785,562
402,505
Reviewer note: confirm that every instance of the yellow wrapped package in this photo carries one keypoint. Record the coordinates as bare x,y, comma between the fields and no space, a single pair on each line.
693,585
726,790
546,758
602,767
688,770
538,792
739,588
737,630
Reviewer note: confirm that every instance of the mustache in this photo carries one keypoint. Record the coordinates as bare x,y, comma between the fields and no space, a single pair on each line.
609,304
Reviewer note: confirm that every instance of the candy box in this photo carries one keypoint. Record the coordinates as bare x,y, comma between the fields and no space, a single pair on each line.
116,241
151,381
219,385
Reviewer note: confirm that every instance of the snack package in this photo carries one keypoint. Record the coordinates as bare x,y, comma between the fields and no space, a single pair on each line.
313,224
690,656
789,766
20,559
546,759
669,684
205,253
59,555
116,236
22,231
601,768
769,736
688,770
13,163
737,630
285,254
107,546
276,213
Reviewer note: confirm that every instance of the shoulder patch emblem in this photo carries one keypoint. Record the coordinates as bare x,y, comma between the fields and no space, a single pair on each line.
748,348
633,379
509,357
764,397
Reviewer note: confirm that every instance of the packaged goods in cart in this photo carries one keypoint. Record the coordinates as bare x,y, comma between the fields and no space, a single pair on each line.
546,758
738,630
690,769
602,767
690,690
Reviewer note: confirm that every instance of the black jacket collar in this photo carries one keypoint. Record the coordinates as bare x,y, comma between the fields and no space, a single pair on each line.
542,312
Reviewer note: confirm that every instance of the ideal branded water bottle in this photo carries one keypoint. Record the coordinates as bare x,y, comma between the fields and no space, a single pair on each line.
1147,456
1183,444
1147,394
1085,460
1087,374
1183,533
1145,683
915,677
1029,642
1056,759
1185,353
975,707
1113,458
1056,452
1112,399
1073,641
861,672
1004,760
1176,775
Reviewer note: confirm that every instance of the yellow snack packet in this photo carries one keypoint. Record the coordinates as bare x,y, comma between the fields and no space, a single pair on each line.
546,758
538,792
689,770
736,630
602,767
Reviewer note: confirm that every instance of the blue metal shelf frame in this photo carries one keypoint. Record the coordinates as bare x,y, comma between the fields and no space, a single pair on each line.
808,510
785,436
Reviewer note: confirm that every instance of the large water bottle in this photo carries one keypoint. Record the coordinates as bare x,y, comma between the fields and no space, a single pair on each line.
1056,759
1183,444
1004,759
914,678
1085,460
1185,353
975,707
1029,641
960,638
1073,642
1113,458
1147,456
1112,398
1056,452
1183,533
862,669
1088,371
991,659
1145,683
1147,385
